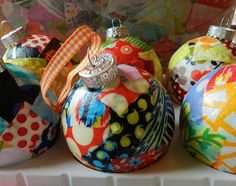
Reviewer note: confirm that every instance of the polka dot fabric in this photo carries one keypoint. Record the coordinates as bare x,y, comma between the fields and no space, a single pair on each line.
37,41
123,127
26,130
33,53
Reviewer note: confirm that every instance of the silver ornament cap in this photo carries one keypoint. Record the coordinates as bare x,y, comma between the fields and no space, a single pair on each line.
221,33
101,71
14,37
117,31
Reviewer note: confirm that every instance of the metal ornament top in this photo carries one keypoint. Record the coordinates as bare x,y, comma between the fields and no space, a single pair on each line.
101,71
117,31
221,33
14,37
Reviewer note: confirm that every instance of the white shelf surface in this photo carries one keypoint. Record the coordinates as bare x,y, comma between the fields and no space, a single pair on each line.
57,167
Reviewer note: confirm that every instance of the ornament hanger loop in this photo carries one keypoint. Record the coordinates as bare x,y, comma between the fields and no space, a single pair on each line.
5,27
89,57
117,30
230,16
227,24
116,20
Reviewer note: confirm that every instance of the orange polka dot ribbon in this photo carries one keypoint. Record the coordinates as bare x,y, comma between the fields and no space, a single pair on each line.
66,52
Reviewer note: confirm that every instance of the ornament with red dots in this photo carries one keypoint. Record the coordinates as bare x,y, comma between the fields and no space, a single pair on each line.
25,130
20,45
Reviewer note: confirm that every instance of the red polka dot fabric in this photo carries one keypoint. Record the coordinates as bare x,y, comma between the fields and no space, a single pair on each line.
24,130
28,127
37,41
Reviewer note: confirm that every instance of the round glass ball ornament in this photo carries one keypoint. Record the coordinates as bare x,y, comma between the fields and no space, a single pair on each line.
31,52
117,118
208,119
131,50
28,127
192,61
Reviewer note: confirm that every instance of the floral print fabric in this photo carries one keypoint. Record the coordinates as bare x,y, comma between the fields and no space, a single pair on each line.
134,52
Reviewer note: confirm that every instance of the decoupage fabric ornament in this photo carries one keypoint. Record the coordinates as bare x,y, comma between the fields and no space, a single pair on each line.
31,52
207,119
115,118
130,50
28,126
28,51
193,60
125,126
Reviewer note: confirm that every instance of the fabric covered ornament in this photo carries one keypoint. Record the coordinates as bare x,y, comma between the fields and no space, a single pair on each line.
115,118
208,123
192,61
123,126
31,52
28,126
130,50
28,51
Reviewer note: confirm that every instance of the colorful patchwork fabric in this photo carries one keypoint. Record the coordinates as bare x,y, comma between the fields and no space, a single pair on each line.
208,123
24,130
37,41
176,20
34,65
34,53
195,59
122,127
27,125
28,53
134,52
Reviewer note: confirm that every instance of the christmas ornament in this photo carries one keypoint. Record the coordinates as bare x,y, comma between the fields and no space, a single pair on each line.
115,118
130,50
28,51
31,52
223,33
208,123
193,60
28,126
